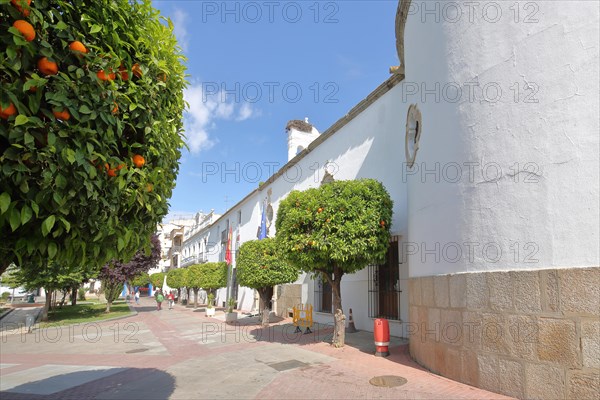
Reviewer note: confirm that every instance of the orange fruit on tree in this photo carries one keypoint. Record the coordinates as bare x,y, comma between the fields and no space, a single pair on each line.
149,187
103,76
62,115
115,108
8,111
138,161
25,28
320,210
121,166
78,47
47,67
137,70
19,5
382,223
123,72
112,172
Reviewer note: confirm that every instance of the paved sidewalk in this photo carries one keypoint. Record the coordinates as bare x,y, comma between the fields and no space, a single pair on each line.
181,354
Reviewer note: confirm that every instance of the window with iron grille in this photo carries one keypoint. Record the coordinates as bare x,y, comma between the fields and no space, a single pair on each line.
384,286
323,295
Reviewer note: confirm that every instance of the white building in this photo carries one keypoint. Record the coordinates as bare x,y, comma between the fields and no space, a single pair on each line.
487,139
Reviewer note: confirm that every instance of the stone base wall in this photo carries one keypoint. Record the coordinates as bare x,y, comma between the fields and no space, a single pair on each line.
287,297
527,334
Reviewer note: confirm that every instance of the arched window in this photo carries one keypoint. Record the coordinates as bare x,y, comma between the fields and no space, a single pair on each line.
299,150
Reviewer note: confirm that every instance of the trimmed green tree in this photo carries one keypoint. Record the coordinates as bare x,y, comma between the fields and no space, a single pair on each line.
141,280
194,280
336,229
261,266
91,105
213,276
157,279
177,279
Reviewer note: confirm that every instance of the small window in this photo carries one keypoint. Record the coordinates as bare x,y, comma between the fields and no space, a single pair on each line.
299,150
413,133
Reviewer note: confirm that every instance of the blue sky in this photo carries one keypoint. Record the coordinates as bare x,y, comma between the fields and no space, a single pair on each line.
254,66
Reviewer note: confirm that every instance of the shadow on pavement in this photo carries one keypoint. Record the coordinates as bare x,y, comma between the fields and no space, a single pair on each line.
92,383
320,333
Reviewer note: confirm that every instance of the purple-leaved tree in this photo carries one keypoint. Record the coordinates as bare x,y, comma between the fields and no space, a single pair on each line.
116,273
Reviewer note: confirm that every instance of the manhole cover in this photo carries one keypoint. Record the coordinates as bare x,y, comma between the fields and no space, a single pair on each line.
136,351
388,381
285,365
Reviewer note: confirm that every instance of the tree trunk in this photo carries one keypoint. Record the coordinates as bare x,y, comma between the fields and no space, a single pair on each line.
63,299
46,306
189,295
108,304
266,310
195,297
4,266
339,319
74,294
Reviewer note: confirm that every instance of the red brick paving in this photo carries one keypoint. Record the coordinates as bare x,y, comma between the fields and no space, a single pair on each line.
346,377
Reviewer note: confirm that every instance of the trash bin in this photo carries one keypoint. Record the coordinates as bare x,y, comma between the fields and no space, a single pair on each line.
31,298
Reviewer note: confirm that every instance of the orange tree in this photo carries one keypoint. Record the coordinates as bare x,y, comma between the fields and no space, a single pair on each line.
91,103
260,265
336,229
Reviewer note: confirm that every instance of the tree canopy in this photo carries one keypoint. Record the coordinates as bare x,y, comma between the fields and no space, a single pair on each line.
177,278
213,275
260,264
343,223
157,279
91,103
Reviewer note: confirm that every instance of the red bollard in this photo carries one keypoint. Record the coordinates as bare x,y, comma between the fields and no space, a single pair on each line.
382,337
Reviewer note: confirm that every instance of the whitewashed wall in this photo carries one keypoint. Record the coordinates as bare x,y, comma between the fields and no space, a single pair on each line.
536,200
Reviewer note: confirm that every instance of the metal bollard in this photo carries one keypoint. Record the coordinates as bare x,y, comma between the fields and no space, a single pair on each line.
29,321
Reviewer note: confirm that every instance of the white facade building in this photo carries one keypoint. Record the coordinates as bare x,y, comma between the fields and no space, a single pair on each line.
487,139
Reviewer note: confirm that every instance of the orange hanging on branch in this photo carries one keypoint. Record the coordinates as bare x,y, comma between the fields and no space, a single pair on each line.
25,28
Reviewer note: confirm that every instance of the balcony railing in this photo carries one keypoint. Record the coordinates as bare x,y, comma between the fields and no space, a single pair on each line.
197,259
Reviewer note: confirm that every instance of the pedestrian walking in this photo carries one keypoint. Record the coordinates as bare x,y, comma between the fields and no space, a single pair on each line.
159,299
137,297
171,298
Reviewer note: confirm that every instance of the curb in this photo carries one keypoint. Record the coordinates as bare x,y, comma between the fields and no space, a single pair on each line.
6,313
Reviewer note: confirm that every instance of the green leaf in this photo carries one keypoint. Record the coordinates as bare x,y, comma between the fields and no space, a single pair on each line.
66,224
47,225
15,219
35,208
21,120
4,202
95,28
52,249
61,26
120,244
26,214
84,109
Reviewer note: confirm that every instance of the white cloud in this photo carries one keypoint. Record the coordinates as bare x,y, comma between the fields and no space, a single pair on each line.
202,113
245,112
180,29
